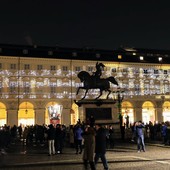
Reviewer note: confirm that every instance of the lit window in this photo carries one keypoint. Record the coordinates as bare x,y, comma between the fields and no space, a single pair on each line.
141,58
159,58
119,57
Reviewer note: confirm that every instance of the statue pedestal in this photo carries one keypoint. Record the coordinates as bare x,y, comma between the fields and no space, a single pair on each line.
103,110
98,102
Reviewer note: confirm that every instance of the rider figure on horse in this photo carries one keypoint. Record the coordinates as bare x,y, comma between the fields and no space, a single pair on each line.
98,73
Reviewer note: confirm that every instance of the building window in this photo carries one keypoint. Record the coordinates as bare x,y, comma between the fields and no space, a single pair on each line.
90,68
53,68
165,72
53,89
155,71
12,89
0,65
39,67
113,70
13,66
65,68
77,69
26,90
145,71
26,87
26,66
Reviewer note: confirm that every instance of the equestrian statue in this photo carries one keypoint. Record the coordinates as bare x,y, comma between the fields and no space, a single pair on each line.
95,82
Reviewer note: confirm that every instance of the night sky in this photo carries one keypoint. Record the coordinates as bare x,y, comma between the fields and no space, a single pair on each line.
99,24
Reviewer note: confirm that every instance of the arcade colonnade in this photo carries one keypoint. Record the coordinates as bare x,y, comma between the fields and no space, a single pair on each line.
28,115
39,90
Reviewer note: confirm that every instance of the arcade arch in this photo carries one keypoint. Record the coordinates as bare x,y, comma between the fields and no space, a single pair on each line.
148,112
127,113
166,111
74,114
3,114
26,114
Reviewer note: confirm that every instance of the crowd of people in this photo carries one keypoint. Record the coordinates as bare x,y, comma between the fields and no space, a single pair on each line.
91,139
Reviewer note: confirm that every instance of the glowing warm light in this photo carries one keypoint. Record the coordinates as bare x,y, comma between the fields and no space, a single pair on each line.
141,58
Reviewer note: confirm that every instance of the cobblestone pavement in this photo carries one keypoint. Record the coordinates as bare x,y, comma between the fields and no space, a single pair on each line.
123,156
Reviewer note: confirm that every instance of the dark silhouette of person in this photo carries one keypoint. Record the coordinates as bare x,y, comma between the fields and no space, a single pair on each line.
99,67
92,121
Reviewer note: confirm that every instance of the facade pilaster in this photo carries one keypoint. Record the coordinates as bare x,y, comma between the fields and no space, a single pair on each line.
138,114
39,116
159,112
12,117
159,116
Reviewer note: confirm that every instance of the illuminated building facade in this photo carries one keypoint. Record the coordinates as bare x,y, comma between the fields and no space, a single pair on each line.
38,84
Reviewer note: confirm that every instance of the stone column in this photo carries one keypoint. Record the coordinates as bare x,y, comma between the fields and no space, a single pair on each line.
66,117
40,116
138,114
115,115
159,115
12,117
138,111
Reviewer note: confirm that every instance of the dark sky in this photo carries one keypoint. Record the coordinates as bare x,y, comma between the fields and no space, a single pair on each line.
100,24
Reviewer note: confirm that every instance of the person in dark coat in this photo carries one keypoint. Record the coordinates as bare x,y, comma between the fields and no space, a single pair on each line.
51,139
89,147
60,138
100,149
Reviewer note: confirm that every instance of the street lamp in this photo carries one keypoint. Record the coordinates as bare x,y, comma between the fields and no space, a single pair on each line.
118,99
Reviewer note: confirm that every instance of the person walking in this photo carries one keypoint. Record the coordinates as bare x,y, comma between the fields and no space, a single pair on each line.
78,139
51,139
164,132
111,137
89,147
100,149
140,136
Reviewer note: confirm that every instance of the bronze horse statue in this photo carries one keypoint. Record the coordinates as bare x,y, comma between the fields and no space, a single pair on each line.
92,82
